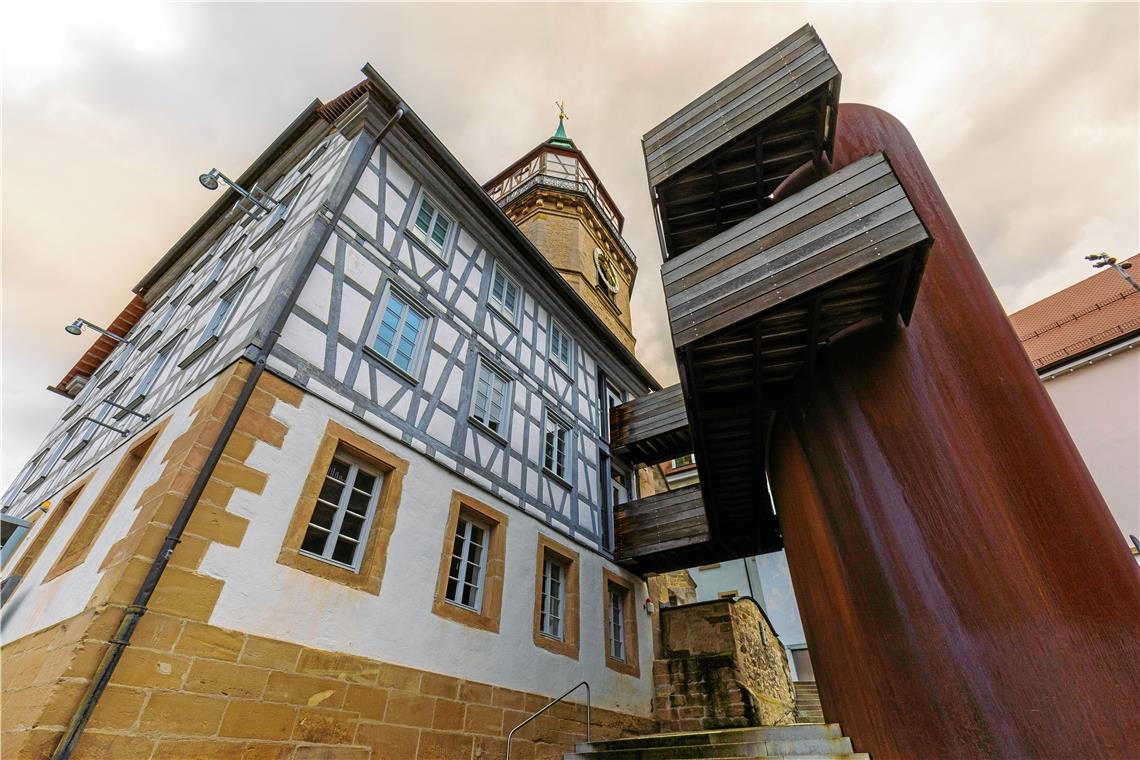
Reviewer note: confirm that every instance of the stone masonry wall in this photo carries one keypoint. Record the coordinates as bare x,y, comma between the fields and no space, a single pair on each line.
722,666
188,689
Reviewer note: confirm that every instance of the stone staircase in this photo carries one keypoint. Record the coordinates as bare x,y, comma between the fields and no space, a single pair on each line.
822,741
808,709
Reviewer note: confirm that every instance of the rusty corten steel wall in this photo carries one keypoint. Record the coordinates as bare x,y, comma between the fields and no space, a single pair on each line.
964,589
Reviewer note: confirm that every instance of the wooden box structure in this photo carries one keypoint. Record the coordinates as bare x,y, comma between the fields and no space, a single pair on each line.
751,304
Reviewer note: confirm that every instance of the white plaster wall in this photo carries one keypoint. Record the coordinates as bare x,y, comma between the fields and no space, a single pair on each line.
263,597
1100,405
36,605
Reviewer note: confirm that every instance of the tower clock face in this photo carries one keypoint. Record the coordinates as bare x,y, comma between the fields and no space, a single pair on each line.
607,271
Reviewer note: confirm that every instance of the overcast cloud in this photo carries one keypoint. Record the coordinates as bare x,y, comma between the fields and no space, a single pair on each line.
1027,115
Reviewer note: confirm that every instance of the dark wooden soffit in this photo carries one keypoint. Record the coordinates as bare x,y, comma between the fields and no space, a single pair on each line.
651,429
786,73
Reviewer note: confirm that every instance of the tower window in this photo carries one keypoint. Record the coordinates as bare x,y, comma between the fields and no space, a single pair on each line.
431,225
561,348
492,398
400,332
341,516
505,294
556,443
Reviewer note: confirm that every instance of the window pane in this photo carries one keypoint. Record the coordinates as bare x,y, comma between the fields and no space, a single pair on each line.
423,219
314,540
345,551
351,525
323,515
339,470
439,232
358,502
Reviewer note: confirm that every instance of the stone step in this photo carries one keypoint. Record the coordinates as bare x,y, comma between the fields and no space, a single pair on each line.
720,736
767,749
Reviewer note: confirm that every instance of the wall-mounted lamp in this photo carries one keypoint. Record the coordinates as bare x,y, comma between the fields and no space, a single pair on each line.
76,328
1101,260
649,608
209,180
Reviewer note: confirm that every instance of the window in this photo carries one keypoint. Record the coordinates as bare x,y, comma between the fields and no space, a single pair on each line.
152,372
42,537
346,512
401,332
470,588
621,625
125,351
556,442
163,320
561,349
216,271
492,398
468,563
431,225
684,461
505,294
727,594
81,541
556,598
225,307
53,458
609,397
277,216
12,532
342,512
617,622
551,608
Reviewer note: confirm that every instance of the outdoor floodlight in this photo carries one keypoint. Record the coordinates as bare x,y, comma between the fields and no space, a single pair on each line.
76,328
209,180
1101,260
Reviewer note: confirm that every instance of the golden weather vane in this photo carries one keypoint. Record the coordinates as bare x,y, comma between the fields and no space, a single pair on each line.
561,109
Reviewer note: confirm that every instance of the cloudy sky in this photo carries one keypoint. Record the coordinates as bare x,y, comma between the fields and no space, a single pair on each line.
1026,113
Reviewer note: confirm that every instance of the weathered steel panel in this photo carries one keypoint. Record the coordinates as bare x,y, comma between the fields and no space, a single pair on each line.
955,565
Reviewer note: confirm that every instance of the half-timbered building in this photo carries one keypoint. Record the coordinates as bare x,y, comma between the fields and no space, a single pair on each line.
340,475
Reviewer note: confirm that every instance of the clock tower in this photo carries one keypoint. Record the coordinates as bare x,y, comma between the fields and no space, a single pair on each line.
554,196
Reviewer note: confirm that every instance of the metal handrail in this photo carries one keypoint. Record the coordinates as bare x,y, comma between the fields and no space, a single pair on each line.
548,706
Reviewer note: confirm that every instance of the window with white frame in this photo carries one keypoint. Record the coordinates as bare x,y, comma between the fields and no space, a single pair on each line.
468,569
556,442
12,532
150,376
492,398
338,528
561,348
609,397
616,632
215,274
506,296
276,218
223,310
124,353
401,331
56,454
551,611
431,225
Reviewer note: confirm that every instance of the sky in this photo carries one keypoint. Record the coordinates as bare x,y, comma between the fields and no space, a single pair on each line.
1026,113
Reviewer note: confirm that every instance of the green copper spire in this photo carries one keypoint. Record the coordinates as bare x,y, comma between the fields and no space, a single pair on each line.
560,139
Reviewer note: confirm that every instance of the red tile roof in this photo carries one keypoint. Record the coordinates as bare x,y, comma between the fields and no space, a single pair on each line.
1092,314
103,346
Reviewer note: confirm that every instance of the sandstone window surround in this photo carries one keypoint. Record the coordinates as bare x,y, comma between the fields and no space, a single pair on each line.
100,510
41,537
481,609
556,607
620,624
365,571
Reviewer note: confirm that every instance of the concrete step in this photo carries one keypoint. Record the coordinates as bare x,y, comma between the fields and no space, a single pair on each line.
765,749
720,736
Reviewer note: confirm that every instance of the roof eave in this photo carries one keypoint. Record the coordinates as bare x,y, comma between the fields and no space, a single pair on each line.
423,135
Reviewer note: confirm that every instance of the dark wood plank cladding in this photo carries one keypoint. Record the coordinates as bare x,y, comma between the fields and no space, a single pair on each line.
784,74
651,429
847,222
666,531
